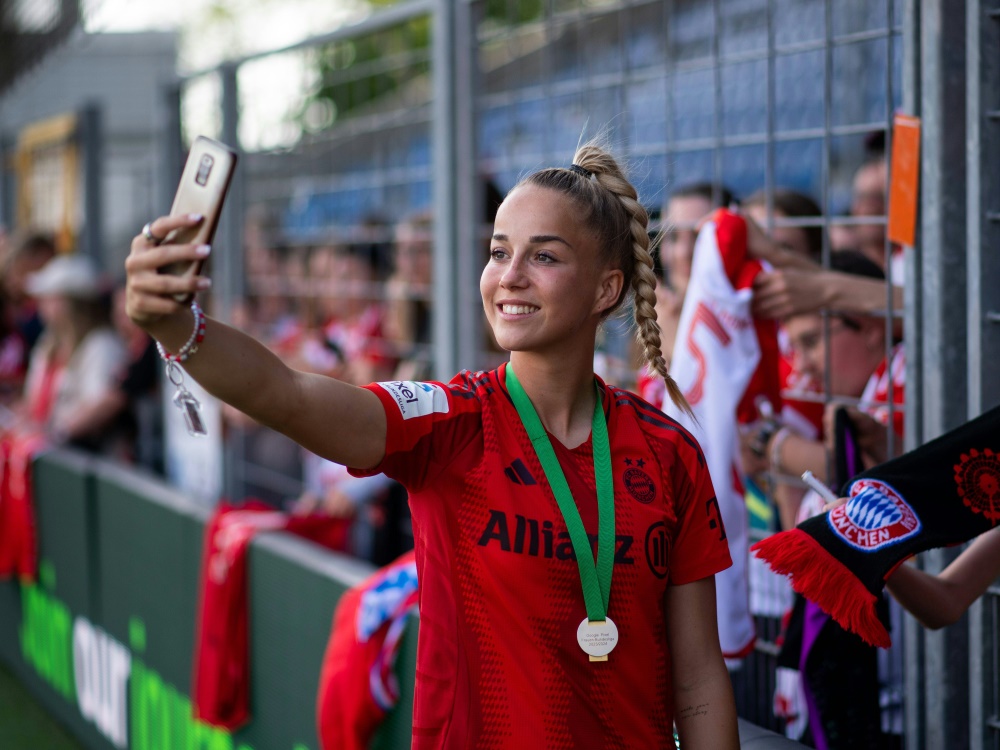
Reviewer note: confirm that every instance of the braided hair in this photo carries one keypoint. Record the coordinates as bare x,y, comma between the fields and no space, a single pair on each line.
597,183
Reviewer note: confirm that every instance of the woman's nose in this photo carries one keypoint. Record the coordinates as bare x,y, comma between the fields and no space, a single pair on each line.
513,275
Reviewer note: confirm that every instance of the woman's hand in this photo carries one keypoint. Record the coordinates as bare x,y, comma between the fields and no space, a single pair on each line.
150,294
788,291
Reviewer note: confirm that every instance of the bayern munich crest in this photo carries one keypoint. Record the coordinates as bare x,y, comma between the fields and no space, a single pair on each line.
978,478
874,517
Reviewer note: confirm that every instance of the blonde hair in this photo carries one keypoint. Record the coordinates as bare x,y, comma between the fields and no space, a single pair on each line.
597,183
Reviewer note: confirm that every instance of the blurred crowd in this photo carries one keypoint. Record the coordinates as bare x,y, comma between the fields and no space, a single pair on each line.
834,286
73,367
74,370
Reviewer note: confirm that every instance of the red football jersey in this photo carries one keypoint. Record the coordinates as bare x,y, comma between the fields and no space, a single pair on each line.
498,664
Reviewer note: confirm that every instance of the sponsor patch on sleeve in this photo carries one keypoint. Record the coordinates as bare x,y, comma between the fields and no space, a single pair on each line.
417,399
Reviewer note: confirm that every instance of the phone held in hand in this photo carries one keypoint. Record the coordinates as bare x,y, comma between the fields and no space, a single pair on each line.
202,190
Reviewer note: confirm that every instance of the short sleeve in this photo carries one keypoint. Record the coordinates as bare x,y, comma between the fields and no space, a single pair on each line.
427,425
700,548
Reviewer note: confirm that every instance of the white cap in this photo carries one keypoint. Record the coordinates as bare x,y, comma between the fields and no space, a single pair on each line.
73,275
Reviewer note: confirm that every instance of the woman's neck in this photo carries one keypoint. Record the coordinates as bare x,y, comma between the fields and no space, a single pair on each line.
562,393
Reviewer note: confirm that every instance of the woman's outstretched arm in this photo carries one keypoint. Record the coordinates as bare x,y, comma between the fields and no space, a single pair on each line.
338,421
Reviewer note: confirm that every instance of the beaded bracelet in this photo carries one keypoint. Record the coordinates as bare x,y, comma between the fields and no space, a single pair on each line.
191,345
183,399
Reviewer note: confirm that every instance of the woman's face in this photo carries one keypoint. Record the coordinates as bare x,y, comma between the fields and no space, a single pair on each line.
544,288
677,250
791,238
54,310
413,254
853,352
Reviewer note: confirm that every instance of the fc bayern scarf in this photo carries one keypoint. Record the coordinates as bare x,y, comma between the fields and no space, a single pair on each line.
358,685
723,360
221,679
18,542
943,493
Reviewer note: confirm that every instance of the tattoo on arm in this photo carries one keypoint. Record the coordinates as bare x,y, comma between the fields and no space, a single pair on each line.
700,710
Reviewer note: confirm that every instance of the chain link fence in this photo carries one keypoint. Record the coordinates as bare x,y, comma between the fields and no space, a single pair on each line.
372,193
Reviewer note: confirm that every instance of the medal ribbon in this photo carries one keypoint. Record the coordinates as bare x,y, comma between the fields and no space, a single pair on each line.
595,576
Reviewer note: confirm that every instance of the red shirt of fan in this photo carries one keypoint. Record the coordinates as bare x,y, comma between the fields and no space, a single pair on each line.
875,399
498,664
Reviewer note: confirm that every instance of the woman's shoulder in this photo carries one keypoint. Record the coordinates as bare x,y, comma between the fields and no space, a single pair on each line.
660,429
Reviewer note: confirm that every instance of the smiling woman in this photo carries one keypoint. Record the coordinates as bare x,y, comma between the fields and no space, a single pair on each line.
511,474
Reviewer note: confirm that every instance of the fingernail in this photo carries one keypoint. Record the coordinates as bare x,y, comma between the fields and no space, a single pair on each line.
204,283
203,250
195,217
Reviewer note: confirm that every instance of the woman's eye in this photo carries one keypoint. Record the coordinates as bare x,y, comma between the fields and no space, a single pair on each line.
497,253
545,258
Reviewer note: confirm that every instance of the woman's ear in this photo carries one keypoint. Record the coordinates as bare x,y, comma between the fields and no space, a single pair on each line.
610,290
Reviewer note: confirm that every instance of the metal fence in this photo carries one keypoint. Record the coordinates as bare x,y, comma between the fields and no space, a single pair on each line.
434,105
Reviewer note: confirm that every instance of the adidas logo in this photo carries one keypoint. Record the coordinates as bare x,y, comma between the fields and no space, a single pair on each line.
518,473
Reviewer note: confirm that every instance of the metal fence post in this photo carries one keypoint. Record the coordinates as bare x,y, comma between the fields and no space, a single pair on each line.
91,140
944,317
171,156
913,633
983,196
8,187
444,108
983,149
470,191
229,237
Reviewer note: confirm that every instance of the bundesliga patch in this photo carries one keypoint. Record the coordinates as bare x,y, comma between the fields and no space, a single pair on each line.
874,517
417,399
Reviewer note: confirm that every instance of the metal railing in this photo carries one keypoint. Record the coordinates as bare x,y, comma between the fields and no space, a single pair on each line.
468,96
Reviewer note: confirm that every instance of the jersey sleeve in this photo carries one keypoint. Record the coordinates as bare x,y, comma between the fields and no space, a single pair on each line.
700,548
428,425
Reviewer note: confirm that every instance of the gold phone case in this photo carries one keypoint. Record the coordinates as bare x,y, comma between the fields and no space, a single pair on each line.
204,182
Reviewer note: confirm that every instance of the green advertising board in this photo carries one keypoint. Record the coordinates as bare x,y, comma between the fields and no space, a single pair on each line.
104,638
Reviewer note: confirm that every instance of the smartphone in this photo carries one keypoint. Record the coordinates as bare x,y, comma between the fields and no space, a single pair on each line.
204,183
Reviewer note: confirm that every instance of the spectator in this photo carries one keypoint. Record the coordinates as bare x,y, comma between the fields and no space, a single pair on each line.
13,354
349,340
868,202
684,209
26,257
682,212
804,241
134,404
857,347
77,359
408,303
798,285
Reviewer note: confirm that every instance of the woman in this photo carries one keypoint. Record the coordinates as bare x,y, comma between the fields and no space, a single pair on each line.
77,360
504,658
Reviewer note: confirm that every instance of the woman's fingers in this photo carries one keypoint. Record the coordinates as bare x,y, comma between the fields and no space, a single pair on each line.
160,228
158,284
151,295
152,257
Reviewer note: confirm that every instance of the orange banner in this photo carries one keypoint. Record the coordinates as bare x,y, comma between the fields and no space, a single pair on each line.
904,182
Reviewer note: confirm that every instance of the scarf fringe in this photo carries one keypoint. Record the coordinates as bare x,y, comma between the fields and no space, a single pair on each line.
821,578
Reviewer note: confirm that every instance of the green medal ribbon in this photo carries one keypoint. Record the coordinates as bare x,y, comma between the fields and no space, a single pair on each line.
594,575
